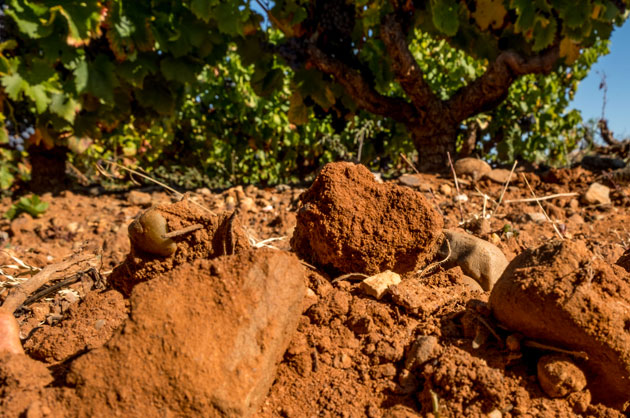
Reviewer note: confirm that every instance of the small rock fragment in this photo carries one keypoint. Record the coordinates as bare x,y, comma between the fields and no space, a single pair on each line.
597,194
445,189
72,227
411,180
138,198
247,204
537,217
472,167
477,258
498,175
559,376
378,285
425,348
471,283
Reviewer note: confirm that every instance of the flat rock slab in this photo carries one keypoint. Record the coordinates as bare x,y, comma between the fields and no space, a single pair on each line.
349,223
202,340
563,295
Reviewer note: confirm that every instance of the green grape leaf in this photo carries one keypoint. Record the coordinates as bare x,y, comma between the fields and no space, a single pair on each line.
134,72
266,83
202,9
6,178
63,106
156,95
574,13
228,18
526,12
37,94
14,85
445,17
178,70
298,112
544,32
489,13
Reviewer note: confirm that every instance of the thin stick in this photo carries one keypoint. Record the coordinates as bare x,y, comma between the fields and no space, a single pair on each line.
555,228
182,231
409,163
144,176
450,162
505,186
538,199
17,297
431,266
490,328
580,354
347,276
52,289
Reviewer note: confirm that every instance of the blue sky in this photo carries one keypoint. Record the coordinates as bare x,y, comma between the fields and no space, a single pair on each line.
616,66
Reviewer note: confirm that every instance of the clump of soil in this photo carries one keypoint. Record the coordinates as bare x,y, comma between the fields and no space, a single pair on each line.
22,382
89,324
218,235
560,293
202,340
349,223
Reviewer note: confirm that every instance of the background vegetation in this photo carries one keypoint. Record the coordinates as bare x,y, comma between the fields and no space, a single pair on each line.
209,92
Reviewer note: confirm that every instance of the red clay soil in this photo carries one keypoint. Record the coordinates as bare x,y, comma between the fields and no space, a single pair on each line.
349,223
431,347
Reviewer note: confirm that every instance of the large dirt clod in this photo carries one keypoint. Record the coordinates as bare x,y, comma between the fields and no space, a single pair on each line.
219,235
561,294
349,223
202,340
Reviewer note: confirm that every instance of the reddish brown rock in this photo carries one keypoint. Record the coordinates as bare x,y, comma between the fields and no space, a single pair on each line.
202,340
349,223
561,294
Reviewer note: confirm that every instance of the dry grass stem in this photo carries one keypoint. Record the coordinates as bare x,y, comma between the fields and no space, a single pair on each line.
459,202
505,186
431,266
349,275
533,344
17,297
146,177
539,199
555,228
409,163
182,231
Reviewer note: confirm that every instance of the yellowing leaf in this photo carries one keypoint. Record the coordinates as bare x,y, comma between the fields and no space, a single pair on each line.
298,113
569,50
490,13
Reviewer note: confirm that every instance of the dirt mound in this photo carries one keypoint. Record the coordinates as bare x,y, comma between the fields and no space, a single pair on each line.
203,339
562,294
218,235
22,382
90,324
349,223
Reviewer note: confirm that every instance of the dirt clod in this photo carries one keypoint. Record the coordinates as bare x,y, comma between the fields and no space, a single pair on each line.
349,223
561,294
559,376
202,339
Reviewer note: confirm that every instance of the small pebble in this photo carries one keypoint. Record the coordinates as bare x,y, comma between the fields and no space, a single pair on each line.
559,376
378,285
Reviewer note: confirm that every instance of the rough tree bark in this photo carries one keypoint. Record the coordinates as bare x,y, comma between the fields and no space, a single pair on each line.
433,123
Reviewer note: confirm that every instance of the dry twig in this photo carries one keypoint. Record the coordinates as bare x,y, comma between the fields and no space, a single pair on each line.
505,186
431,266
183,231
461,211
555,228
17,297
539,199
144,176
